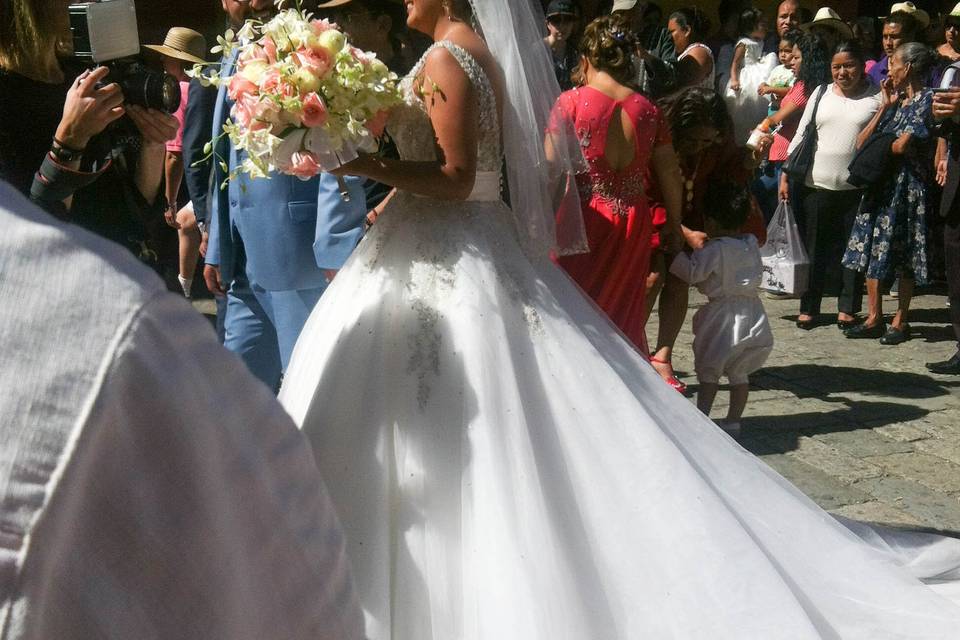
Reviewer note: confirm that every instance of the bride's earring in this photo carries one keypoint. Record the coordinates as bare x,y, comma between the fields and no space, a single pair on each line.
448,9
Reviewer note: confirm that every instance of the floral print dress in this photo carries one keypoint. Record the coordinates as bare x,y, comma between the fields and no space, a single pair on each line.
890,233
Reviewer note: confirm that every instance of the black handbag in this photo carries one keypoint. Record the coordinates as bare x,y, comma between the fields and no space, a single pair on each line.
873,161
798,164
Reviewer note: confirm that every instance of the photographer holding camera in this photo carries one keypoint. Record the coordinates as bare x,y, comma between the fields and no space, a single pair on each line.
63,135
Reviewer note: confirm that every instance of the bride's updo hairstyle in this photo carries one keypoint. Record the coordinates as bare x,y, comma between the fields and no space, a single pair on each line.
608,44
460,10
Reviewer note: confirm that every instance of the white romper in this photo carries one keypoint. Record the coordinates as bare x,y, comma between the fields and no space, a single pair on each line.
731,334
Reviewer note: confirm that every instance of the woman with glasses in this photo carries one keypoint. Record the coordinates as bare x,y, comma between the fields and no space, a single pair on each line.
950,49
563,22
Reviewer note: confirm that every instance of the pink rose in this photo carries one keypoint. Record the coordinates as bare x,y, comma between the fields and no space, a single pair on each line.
239,87
303,164
251,53
319,26
251,113
314,111
378,122
361,56
316,60
269,48
270,81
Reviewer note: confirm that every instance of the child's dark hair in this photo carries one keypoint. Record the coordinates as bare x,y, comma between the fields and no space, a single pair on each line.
731,204
749,21
792,36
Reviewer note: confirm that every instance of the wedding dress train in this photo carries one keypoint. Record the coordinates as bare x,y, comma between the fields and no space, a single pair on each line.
506,466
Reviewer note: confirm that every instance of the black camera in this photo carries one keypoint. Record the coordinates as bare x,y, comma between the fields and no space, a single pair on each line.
105,33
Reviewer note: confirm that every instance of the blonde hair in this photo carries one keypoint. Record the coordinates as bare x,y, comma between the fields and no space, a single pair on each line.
26,37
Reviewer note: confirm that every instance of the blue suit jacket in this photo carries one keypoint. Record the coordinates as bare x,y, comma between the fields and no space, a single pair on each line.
291,229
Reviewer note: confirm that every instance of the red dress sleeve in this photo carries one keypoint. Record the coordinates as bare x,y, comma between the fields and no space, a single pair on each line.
564,112
664,135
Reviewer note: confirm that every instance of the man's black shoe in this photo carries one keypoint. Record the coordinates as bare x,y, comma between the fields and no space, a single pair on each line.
947,367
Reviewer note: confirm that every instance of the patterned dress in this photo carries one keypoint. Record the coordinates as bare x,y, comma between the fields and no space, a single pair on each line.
889,235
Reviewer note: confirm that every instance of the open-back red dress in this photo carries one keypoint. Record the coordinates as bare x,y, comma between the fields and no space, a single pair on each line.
616,215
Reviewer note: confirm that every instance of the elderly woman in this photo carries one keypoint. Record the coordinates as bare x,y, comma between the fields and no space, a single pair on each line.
828,204
889,236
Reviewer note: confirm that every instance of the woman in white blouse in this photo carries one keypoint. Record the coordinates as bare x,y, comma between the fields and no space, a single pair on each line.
827,202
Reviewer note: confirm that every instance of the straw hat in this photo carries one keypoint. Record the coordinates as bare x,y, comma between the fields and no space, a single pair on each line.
827,17
183,44
921,16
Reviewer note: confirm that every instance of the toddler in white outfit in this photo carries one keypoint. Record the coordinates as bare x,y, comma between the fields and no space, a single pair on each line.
732,337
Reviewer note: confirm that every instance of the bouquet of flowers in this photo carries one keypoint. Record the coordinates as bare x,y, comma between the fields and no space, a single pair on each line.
305,100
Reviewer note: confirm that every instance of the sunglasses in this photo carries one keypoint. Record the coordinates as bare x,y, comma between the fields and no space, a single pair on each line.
561,18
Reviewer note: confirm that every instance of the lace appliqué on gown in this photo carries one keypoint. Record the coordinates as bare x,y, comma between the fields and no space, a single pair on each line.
443,229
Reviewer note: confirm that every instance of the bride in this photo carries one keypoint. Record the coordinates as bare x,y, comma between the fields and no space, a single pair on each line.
503,462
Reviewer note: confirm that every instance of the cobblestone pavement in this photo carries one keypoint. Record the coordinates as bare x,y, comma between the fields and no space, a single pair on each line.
861,428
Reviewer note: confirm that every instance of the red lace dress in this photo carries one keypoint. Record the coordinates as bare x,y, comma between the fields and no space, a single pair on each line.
615,210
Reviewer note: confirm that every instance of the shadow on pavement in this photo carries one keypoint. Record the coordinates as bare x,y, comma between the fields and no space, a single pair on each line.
816,380
862,399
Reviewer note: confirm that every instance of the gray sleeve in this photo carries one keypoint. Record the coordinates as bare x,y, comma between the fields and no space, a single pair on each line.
191,506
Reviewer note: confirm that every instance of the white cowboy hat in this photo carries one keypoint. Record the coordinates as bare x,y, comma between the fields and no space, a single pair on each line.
956,11
623,5
183,44
827,17
921,16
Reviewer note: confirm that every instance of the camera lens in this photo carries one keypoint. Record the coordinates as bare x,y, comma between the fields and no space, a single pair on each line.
148,88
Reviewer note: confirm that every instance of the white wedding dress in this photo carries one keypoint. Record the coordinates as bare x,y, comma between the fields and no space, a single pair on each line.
506,466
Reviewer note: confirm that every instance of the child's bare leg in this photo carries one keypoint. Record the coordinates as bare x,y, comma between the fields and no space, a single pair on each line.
738,401
706,396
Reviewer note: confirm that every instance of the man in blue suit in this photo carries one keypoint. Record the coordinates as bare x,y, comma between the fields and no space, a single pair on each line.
273,245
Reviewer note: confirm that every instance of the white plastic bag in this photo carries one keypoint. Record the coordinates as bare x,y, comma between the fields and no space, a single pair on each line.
786,266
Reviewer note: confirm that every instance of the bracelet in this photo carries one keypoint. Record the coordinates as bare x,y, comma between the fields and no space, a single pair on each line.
66,147
63,153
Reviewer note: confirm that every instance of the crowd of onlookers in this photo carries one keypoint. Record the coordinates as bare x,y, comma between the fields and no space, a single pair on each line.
849,123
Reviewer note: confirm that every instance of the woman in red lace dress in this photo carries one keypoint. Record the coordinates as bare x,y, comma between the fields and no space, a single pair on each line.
623,136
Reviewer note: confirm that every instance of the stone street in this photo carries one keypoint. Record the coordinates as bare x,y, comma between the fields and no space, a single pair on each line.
861,428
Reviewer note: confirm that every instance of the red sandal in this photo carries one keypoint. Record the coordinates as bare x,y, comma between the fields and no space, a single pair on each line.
672,380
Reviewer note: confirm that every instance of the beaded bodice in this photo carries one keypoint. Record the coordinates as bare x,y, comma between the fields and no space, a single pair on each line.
591,111
410,124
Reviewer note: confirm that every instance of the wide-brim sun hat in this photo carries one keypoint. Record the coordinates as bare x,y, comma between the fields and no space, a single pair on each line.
921,16
827,17
183,44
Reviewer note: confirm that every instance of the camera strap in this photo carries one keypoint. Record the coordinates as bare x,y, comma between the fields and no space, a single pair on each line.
55,182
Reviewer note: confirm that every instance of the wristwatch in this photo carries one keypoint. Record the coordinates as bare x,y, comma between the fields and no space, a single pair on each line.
202,226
